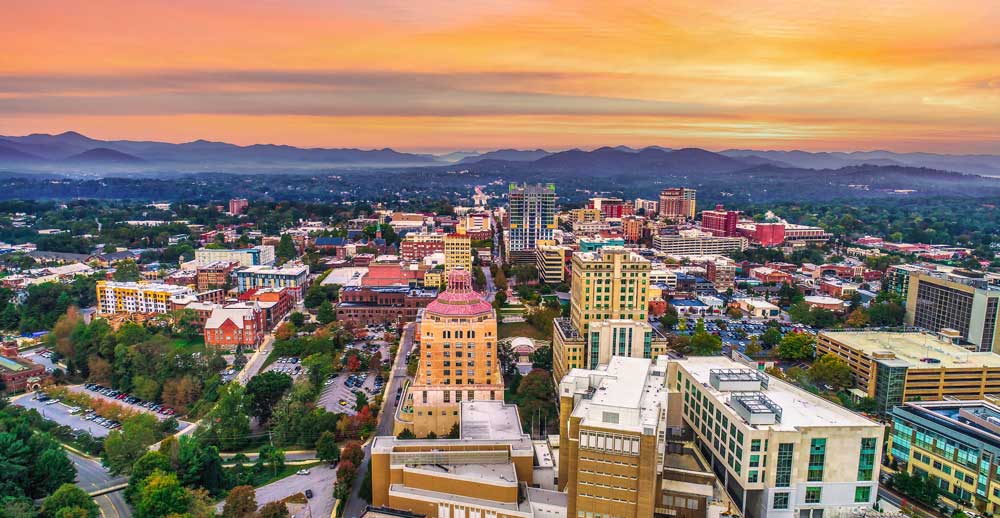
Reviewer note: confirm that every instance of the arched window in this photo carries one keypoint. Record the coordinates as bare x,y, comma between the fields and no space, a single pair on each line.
446,334
472,334
458,334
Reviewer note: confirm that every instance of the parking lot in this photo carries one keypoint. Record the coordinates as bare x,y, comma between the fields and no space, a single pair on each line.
338,392
320,480
42,357
287,365
130,403
737,333
60,413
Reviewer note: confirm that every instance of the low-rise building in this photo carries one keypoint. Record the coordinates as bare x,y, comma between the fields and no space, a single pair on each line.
236,325
215,275
551,262
293,277
383,304
758,308
262,255
16,373
137,297
694,242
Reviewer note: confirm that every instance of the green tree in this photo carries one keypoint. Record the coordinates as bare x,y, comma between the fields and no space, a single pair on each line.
886,314
753,349
241,502
297,319
187,324
326,314
327,449
771,337
406,434
535,396
15,459
273,510
830,370
162,495
231,423
66,497
263,392
704,343
285,249
142,469
360,401
796,346
272,457
51,470
127,271
541,358
122,448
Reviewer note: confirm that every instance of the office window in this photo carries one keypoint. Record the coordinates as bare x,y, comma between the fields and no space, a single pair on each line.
817,457
866,460
783,471
862,494
814,495
780,501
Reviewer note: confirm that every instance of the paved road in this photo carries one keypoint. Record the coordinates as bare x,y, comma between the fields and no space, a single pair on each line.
491,289
355,504
92,476
320,479
256,360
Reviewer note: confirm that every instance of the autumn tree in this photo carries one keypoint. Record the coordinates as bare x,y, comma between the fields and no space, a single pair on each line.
241,502
353,452
273,510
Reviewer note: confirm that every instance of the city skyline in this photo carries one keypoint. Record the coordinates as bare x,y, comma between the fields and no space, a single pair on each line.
912,76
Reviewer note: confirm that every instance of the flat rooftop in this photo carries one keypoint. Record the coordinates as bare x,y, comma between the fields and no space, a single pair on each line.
488,473
799,408
347,276
915,348
634,389
489,420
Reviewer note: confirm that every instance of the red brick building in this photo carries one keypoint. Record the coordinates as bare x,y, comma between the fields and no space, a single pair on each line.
215,275
240,324
720,222
17,373
378,305
275,302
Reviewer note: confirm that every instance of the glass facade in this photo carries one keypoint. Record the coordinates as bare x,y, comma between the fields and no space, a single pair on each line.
817,458
783,470
866,461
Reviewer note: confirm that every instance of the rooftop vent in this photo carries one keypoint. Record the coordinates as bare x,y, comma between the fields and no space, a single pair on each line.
737,380
755,408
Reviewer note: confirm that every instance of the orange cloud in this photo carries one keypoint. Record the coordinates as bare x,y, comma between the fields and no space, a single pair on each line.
903,75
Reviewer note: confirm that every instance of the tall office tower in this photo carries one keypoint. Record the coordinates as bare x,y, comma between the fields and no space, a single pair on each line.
677,203
612,438
960,300
720,222
457,253
532,219
608,309
458,360
778,450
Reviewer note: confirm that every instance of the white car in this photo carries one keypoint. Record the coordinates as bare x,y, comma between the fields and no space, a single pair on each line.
302,472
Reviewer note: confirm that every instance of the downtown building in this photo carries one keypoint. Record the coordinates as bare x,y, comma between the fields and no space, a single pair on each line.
695,242
608,311
138,297
262,255
778,450
678,203
532,218
960,300
458,359
293,277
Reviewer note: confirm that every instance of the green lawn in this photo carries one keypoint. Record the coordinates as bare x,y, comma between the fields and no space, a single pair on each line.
519,329
195,345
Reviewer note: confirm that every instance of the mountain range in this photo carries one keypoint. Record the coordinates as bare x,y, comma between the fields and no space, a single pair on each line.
72,152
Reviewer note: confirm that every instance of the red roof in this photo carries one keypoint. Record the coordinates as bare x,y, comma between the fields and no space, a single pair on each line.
459,299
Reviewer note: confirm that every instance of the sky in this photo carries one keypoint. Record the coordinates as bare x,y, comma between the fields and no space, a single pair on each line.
436,75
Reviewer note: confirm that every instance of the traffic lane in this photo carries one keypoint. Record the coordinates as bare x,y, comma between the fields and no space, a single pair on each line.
91,475
113,505
59,414
320,480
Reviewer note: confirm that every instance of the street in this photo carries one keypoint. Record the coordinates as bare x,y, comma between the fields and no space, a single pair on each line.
320,479
92,476
491,289
355,504
256,360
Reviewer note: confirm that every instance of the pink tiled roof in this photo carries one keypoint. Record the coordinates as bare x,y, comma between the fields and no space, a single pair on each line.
459,299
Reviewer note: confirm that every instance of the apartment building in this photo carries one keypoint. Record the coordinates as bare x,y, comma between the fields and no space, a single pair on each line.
962,300
532,218
720,222
293,277
778,450
585,215
694,242
609,305
215,275
721,272
894,367
612,422
593,244
678,203
956,444
457,253
458,360
262,255
137,297
417,245
486,473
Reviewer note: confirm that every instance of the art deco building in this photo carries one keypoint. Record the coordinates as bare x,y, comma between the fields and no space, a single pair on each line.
458,359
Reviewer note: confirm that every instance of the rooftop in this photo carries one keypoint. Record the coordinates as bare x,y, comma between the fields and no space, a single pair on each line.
979,419
799,408
489,420
625,394
919,349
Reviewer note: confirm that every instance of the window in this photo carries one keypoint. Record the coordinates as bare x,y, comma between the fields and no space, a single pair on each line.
814,495
862,494
783,471
780,501
752,476
866,460
817,457
755,445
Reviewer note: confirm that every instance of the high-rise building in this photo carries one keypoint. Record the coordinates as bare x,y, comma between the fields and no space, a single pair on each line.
608,310
457,253
960,300
612,438
551,262
778,450
720,222
893,367
532,218
954,443
238,205
678,203
458,360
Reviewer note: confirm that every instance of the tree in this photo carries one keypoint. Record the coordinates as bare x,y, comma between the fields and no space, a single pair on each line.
857,318
541,358
353,453
162,495
327,449
272,457
360,401
127,271
273,510
830,370
69,496
704,343
455,432
920,488
285,249
231,424
669,319
263,392
297,319
326,313
771,337
142,469
123,447
15,458
535,396
886,314
796,346
51,470
241,502
406,434
187,324
753,349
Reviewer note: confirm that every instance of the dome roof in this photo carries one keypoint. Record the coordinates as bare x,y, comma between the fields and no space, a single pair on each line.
459,299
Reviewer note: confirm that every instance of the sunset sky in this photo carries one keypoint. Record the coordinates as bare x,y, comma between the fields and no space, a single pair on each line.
438,75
